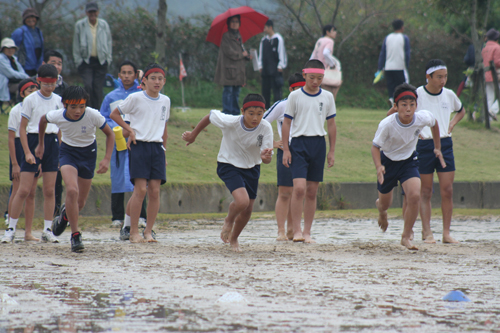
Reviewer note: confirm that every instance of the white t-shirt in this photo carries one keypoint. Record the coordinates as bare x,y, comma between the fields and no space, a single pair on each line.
441,106
147,115
15,118
35,106
397,140
395,52
277,113
309,112
77,133
241,146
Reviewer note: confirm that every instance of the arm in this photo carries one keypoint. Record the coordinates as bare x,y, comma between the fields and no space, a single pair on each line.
266,155
458,116
110,143
110,44
437,144
381,57
165,137
7,70
190,137
392,110
16,170
23,136
282,54
332,138
327,53
285,135
17,36
231,49
115,115
378,164
407,51
259,59
42,126
76,46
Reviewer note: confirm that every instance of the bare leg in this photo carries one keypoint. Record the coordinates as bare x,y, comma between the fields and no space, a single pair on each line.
412,192
297,203
49,198
446,188
15,187
153,207
282,209
309,209
25,184
29,213
289,225
239,224
240,203
70,176
425,207
84,186
383,203
140,188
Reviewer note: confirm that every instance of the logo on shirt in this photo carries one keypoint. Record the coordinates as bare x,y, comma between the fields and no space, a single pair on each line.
445,106
320,107
260,137
84,129
417,132
163,112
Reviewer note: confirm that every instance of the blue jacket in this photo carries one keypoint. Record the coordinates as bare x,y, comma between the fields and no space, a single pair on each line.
23,36
118,94
6,73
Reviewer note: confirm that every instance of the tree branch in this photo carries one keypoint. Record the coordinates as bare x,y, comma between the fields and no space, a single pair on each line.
297,16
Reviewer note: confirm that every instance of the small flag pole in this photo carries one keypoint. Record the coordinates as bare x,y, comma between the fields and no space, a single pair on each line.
182,86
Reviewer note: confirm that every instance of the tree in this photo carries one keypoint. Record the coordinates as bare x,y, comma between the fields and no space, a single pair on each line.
161,28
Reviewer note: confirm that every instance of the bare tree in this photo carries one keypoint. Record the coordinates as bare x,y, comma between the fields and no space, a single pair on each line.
161,43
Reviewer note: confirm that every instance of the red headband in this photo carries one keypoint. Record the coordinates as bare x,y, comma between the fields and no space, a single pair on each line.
403,94
313,71
154,70
47,79
254,103
298,84
75,101
27,85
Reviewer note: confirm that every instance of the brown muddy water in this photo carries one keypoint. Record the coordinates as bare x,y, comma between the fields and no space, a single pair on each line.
354,279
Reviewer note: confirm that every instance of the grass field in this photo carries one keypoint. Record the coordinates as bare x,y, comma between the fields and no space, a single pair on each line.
477,150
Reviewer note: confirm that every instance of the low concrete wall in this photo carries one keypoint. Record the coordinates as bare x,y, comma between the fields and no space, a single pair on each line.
211,198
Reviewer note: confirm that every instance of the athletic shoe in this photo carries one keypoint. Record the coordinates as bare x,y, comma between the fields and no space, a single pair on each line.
390,101
116,224
125,233
59,223
76,242
153,234
48,236
142,222
6,219
9,236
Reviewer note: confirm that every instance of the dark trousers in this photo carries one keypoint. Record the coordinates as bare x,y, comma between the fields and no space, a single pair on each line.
58,192
394,79
118,207
93,75
274,83
230,100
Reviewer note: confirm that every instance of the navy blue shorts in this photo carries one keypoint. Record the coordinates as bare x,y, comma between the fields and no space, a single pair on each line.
397,171
19,156
235,178
308,157
50,160
284,173
429,162
82,159
147,160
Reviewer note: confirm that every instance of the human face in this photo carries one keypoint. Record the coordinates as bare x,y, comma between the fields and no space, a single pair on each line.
313,81
46,89
57,62
30,22
9,51
252,116
332,33
438,79
127,75
268,30
92,15
75,111
406,110
154,83
28,91
234,23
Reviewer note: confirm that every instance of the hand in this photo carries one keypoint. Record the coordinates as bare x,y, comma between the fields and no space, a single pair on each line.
245,54
450,128
278,144
39,150
380,174
103,166
260,70
131,139
439,155
331,159
30,158
287,158
266,154
189,137
166,163
16,172
280,69
376,73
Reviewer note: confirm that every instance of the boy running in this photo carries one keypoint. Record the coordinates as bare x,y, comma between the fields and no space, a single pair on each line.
148,112
78,154
247,142
309,107
285,180
26,87
395,159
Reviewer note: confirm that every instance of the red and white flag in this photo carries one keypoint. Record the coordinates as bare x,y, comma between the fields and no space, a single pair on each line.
182,71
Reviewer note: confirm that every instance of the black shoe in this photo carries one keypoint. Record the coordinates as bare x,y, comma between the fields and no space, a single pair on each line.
125,233
153,234
76,242
60,222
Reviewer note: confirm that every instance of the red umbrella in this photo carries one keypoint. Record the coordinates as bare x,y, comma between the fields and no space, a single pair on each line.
251,24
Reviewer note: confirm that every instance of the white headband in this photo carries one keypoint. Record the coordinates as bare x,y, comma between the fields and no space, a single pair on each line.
435,68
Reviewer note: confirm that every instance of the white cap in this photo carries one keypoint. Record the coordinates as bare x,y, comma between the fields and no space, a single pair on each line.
8,43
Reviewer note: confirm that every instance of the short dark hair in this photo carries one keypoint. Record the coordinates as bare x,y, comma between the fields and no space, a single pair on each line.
151,66
75,92
434,63
229,19
397,24
253,98
127,63
52,53
48,70
21,84
270,23
295,77
405,87
327,28
314,63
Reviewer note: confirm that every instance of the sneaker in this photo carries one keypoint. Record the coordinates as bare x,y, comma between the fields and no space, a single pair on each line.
6,219
390,101
142,222
116,224
60,222
125,233
48,236
76,242
153,234
9,236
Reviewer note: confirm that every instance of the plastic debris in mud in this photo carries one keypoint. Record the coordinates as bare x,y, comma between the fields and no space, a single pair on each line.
456,296
232,297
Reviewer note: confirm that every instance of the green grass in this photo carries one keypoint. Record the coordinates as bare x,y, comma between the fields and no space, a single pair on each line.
477,150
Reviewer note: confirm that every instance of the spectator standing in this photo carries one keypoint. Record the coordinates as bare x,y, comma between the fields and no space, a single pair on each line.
272,61
230,70
491,52
11,71
323,51
394,58
29,40
92,50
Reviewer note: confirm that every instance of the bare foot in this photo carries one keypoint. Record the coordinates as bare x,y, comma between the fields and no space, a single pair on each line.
226,231
235,246
382,218
408,244
150,239
308,239
281,237
412,235
289,234
137,239
298,237
449,240
30,238
429,239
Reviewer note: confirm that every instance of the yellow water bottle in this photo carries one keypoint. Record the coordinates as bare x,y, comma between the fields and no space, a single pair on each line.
121,143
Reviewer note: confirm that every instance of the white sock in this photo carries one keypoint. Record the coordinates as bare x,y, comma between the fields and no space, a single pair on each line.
47,224
126,222
13,223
